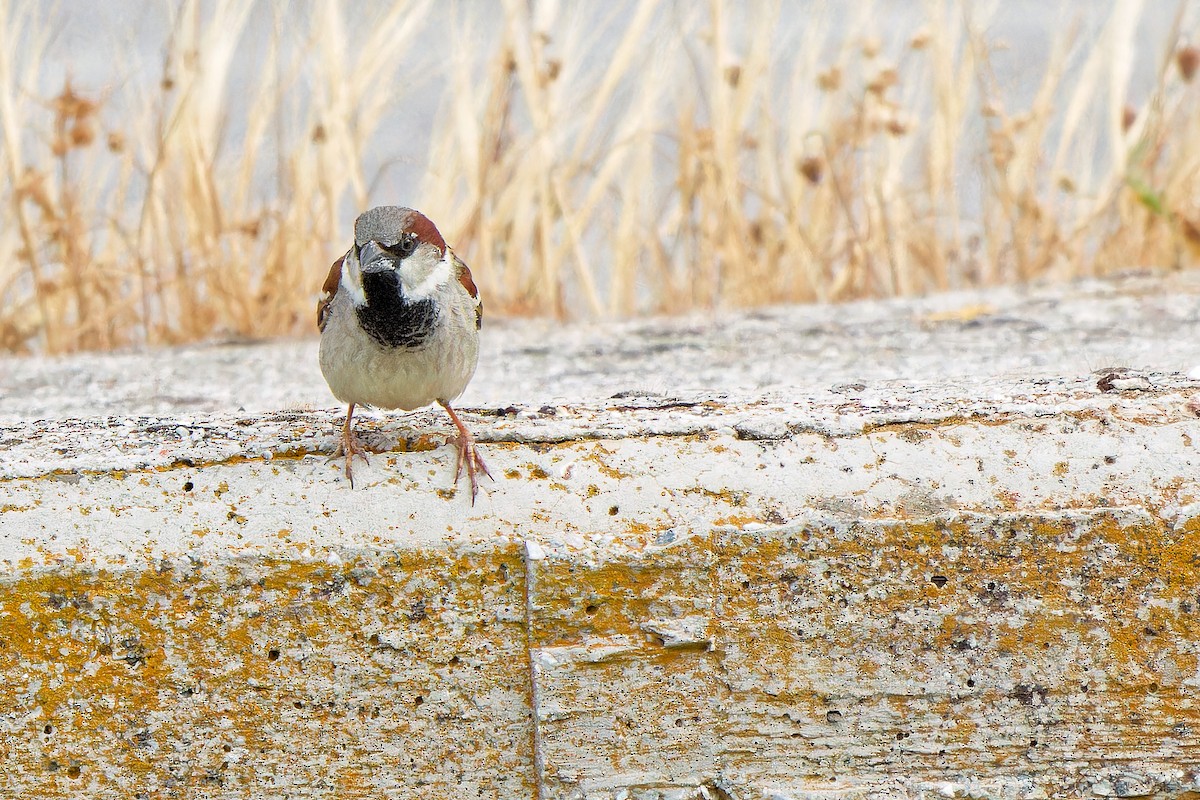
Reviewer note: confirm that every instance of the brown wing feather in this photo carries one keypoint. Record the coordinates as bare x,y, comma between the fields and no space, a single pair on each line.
464,277
328,290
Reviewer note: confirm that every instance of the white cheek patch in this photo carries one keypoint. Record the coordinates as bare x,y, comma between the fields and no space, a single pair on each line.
426,286
352,279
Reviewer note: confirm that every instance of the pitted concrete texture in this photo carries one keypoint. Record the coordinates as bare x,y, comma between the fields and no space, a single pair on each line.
944,548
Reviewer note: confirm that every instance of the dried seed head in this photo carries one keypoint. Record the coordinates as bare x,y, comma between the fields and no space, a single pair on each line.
71,106
1188,60
883,80
83,133
895,126
830,80
1191,233
1129,116
1001,148
250,227
811,168
32,186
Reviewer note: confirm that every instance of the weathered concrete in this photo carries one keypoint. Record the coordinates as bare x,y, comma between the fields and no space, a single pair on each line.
938,550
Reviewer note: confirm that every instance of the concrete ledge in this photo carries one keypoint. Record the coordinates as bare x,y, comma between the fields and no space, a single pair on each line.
947,587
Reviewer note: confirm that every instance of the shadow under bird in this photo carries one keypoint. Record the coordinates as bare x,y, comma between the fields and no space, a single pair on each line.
399,318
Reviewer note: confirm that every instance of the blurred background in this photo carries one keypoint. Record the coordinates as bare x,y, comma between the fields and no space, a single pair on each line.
180,171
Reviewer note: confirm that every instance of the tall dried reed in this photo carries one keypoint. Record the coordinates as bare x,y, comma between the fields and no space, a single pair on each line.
585,161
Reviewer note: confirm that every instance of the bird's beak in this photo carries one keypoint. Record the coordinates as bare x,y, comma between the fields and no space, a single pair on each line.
373,258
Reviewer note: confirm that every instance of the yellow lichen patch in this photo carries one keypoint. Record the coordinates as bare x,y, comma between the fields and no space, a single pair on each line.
738,520
599,455
422,443
263,669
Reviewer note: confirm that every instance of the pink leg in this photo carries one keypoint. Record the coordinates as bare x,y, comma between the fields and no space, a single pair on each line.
467,453
349,446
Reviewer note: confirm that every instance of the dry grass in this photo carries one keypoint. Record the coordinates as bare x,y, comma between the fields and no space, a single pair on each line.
648,158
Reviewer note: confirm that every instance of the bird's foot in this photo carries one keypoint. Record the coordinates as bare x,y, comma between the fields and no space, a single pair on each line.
349,447
467,455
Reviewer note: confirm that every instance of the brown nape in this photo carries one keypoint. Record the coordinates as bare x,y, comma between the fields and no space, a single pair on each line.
426,231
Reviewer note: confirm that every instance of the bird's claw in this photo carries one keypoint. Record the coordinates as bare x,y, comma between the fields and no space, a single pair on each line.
349,447
467,453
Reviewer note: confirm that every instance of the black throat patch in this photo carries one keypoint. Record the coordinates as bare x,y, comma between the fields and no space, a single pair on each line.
390,319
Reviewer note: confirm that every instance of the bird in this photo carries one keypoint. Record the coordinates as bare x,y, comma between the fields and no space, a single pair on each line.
399,316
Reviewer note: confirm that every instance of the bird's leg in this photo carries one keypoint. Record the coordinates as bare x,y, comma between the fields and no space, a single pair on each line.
349,446
467,453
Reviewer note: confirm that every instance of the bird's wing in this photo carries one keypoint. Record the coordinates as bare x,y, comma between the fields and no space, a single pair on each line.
464,277
328,290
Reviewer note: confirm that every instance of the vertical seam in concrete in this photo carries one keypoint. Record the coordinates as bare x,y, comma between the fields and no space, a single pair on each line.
535,720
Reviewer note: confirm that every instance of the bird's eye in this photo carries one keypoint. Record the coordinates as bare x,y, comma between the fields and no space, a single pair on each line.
406,246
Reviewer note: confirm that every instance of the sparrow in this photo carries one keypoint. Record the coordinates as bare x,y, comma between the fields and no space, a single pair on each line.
399,317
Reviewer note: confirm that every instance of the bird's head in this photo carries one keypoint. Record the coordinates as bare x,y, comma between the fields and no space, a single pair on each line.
398,256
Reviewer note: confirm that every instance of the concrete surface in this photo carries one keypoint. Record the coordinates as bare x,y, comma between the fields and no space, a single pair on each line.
936,548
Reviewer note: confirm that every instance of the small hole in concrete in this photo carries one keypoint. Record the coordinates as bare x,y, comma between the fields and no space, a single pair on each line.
298,704
454,660
590,609
273,654
419,700
833,717
679,723
970,681
1110,459
1084,688
745,584
49,729
1153,688
939,580
188,486
613,511
228,748
73,771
